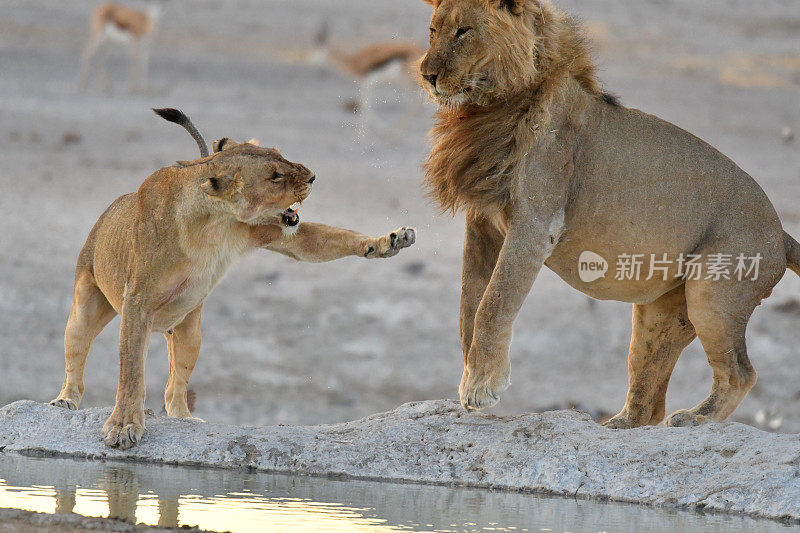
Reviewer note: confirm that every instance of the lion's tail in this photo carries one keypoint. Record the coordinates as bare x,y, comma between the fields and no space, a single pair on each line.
792,253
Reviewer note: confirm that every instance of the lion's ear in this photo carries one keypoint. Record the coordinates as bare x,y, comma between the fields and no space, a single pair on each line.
514,6
216,186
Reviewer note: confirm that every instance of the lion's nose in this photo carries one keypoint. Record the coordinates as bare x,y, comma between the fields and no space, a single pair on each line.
431,78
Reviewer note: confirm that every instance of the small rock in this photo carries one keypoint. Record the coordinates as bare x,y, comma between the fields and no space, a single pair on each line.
787,135
351,105
131,136
71,137
414,269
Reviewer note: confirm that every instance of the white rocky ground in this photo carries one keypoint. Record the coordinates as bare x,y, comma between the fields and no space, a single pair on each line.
727,467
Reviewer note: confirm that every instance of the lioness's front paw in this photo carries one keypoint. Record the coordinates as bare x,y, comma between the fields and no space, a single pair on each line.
390,244
125,433
685,418
65,403
479,390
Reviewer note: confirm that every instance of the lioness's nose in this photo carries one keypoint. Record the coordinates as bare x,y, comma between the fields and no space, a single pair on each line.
431,78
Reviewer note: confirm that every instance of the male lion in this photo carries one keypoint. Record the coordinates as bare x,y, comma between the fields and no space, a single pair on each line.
547,166
154,255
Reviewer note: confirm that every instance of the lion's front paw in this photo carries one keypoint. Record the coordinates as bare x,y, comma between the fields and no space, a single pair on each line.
685,418
391,244
124,432
65,403
479,390
620,422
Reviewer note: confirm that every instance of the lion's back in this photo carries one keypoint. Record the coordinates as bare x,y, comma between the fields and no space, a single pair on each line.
648,161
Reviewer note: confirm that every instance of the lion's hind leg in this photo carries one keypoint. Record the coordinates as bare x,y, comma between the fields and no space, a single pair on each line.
661,330
184,347
720,313
90,313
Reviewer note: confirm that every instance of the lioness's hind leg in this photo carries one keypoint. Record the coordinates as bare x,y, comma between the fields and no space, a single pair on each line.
661,330
184,347
89,314
720,314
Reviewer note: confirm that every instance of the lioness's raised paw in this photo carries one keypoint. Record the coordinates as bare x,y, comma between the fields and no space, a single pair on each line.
65,403
391,243
123,434
479,390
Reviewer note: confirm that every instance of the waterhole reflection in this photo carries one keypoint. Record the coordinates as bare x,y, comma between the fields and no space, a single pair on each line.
239,501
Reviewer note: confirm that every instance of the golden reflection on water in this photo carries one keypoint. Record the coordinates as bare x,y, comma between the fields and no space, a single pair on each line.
239,511
242,501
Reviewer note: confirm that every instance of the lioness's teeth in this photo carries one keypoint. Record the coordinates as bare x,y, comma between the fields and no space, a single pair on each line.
295,206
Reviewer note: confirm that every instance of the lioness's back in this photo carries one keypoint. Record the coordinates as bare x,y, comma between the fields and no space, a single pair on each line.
106,251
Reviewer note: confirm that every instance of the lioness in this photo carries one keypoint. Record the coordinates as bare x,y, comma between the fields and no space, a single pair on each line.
549,167
154,255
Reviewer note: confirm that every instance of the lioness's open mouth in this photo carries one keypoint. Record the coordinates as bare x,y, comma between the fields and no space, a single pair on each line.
290,216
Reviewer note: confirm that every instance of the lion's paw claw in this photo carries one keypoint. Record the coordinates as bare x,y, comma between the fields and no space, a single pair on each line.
685,418
389,245
618,422
480,392
65,403
123,436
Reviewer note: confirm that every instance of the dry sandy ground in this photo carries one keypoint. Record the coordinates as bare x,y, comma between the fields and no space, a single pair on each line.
298,344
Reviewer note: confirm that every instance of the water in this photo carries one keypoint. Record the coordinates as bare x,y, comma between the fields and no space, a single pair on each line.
238,501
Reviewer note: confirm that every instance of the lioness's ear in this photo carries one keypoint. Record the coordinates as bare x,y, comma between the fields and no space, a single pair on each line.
223,144
514,6
216,186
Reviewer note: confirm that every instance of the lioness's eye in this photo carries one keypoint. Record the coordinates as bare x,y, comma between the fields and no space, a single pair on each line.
460,32
276,178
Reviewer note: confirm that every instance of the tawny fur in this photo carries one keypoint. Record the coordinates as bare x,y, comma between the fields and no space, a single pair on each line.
547,165
372,65
132,27
125,18
525,60
372,57
154,256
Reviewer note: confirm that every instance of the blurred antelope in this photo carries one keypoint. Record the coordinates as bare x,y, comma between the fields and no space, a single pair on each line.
372,65
116,23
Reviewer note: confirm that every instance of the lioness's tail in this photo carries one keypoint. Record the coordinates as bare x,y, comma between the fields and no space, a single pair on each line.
173,115
792,253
